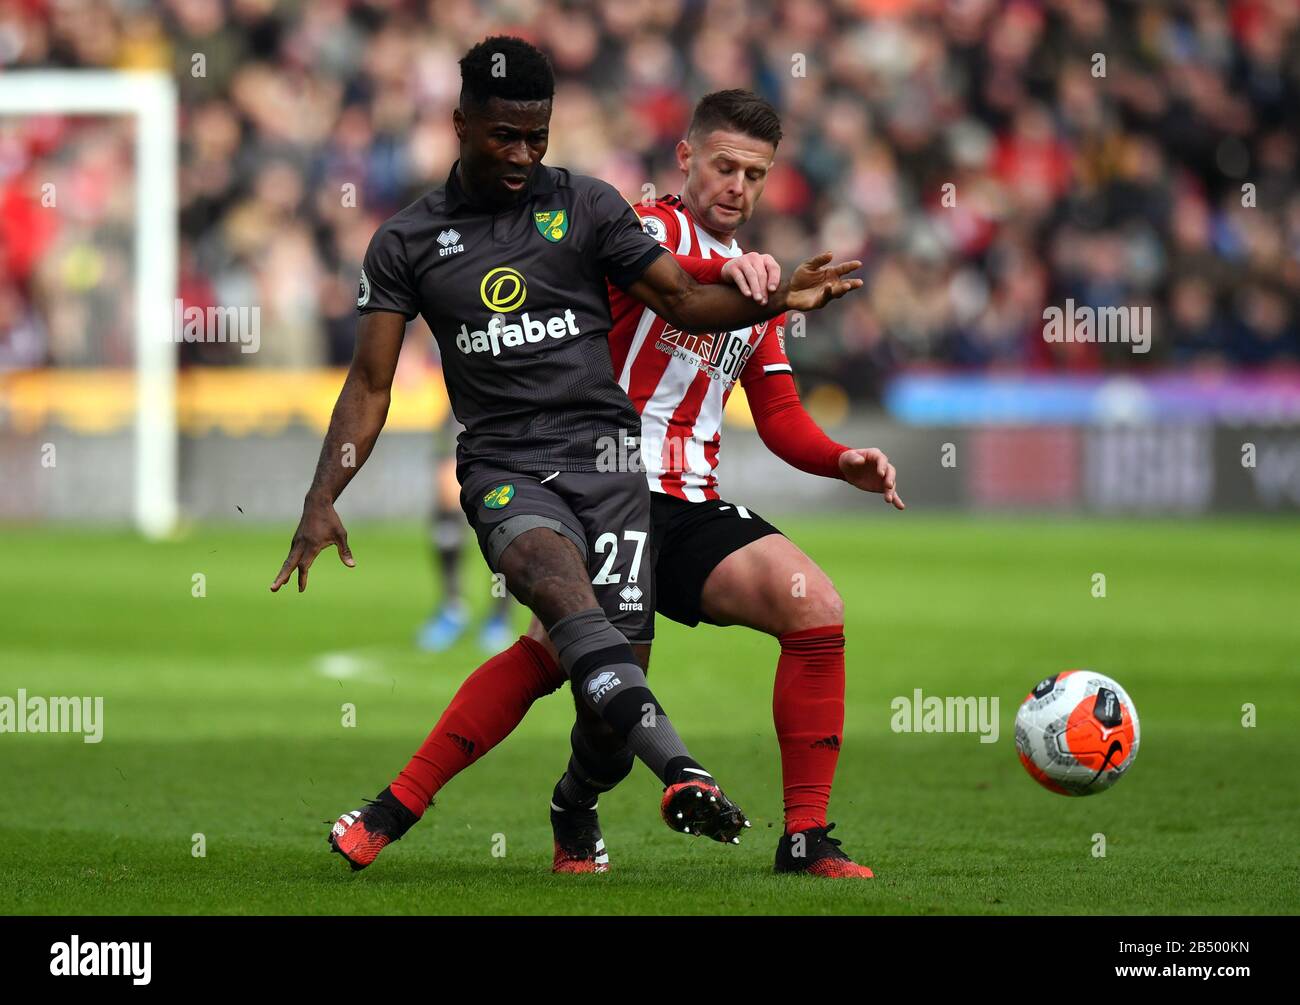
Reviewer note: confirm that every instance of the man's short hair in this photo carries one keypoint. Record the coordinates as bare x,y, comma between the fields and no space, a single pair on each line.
505,67
739,111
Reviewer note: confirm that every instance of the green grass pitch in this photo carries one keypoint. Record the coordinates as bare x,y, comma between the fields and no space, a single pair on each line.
223,717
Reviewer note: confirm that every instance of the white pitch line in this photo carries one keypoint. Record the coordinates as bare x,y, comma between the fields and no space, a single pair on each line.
340,665
373,664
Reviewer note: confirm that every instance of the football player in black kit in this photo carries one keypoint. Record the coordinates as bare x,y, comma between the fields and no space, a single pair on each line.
508,262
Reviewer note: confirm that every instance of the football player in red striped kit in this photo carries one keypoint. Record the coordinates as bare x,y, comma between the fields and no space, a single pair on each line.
717,561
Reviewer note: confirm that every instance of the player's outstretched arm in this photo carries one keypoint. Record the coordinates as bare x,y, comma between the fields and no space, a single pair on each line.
359,415
679,299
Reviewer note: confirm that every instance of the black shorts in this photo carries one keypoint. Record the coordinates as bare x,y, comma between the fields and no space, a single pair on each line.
690,539
606,515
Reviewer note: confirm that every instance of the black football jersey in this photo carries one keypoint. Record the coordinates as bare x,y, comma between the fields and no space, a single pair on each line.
518,303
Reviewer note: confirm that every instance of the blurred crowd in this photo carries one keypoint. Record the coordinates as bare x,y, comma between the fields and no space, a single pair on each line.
985,159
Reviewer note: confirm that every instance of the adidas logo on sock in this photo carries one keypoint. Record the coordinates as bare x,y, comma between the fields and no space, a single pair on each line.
466,746
831,742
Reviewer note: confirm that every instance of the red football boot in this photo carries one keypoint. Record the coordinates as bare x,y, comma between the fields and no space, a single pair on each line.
815,853
579,846
359,836
697,806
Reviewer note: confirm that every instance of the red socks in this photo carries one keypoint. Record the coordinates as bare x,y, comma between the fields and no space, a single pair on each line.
493,700
808,709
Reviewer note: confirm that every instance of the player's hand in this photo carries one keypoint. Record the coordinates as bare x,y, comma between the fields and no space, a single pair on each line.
755,275
816,283
871,471
319,527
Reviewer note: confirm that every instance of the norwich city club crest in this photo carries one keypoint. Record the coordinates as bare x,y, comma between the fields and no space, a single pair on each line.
499,497
553,224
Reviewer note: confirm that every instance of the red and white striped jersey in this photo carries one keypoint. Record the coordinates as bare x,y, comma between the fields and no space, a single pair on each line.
678,382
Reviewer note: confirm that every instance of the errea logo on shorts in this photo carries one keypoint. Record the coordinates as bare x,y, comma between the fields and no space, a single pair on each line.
503,290
631,595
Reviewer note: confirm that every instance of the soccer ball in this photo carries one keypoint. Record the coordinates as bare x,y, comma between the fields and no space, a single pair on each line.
1077,733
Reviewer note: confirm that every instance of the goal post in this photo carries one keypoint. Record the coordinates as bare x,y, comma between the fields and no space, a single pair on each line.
151,98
